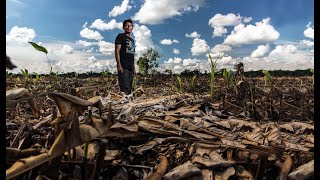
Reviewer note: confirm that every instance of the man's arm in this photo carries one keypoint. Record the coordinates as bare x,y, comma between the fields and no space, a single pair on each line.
117,54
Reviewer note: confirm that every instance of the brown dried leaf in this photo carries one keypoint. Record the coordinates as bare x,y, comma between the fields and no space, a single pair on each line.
233,143
111,154
199,136
162,168
64,105
256,136
287,126
24,164
92,150
16,93
74,99
273,135
131,128
295,146
23,92
127,111
59,145
285,168
300,127
303,172
141,148
183,171
99,126
225,175
14,153
224,124
243,173
186,124
309,138
201,122
88,132
214,160
202,151
76,152
207,174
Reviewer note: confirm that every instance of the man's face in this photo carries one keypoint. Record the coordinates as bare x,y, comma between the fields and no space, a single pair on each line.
128,27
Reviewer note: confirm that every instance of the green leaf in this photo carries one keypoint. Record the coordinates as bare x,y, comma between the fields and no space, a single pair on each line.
180,82
267,74
312,70
39,48
225,73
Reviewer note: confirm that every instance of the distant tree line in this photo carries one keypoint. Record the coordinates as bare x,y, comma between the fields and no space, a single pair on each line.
274,73
189,73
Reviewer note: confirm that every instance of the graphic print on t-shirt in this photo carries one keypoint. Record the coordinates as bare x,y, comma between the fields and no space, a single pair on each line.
129,46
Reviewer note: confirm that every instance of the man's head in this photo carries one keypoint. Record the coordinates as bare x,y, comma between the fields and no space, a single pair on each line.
127,25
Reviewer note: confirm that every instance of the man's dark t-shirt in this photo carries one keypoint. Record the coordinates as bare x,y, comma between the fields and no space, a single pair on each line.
127,50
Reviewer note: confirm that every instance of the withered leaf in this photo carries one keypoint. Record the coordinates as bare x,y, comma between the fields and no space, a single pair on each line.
183,171
214,160
230,171
303,172
111,154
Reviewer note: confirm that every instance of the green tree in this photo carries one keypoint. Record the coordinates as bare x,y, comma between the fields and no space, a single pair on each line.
148,61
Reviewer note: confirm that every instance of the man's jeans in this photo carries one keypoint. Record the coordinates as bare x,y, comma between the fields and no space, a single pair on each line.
125,80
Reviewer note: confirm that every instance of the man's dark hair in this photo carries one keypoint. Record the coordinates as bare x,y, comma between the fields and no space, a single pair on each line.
125,21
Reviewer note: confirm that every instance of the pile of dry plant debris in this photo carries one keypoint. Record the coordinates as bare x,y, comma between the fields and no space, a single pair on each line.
132,137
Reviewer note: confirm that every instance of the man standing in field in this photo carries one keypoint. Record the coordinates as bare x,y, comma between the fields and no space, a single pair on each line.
124,52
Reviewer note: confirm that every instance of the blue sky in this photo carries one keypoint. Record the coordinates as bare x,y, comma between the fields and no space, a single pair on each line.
80,34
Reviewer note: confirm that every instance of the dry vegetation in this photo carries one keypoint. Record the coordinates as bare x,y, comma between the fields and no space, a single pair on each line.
84,128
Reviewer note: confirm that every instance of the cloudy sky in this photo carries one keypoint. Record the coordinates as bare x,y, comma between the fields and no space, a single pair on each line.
79,34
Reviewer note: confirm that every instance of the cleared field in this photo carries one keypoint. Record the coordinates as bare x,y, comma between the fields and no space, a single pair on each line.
169,128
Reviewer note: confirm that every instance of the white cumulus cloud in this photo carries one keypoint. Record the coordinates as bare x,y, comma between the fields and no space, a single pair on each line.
92,58
24,56
177,65
309,32
285,57
118,10
261,51
174,60
176,51
219,21
219,31
220,48
247,19
20,34
90,34
190,62
168,41
142,35
283,49
101,25
85,43
307,42
67,49
106,47
261,32
199,46
194,34
156,12
225,20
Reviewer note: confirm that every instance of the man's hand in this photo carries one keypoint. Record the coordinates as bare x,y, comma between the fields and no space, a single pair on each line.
119,68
